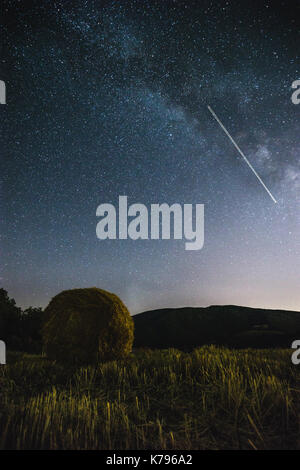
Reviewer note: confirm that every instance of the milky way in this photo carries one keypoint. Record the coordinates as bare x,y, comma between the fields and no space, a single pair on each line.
110,98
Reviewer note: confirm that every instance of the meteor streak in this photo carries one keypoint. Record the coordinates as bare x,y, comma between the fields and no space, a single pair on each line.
241,153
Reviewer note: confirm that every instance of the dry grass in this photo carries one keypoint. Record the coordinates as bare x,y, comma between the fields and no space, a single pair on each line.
212,398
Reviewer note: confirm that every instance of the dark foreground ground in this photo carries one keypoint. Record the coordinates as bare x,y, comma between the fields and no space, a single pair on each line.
211,398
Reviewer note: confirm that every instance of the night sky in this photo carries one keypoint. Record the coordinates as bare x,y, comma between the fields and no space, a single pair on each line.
110,98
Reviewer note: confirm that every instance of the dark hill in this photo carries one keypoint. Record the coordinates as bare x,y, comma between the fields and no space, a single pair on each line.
228,325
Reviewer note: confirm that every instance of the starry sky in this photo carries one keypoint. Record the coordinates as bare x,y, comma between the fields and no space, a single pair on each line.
109,98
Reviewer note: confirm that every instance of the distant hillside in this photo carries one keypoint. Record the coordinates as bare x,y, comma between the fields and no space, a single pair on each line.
229,325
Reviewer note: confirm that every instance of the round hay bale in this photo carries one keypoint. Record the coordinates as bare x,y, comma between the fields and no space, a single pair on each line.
86,326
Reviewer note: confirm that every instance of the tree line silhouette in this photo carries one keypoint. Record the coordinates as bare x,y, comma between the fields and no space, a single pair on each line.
20,329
